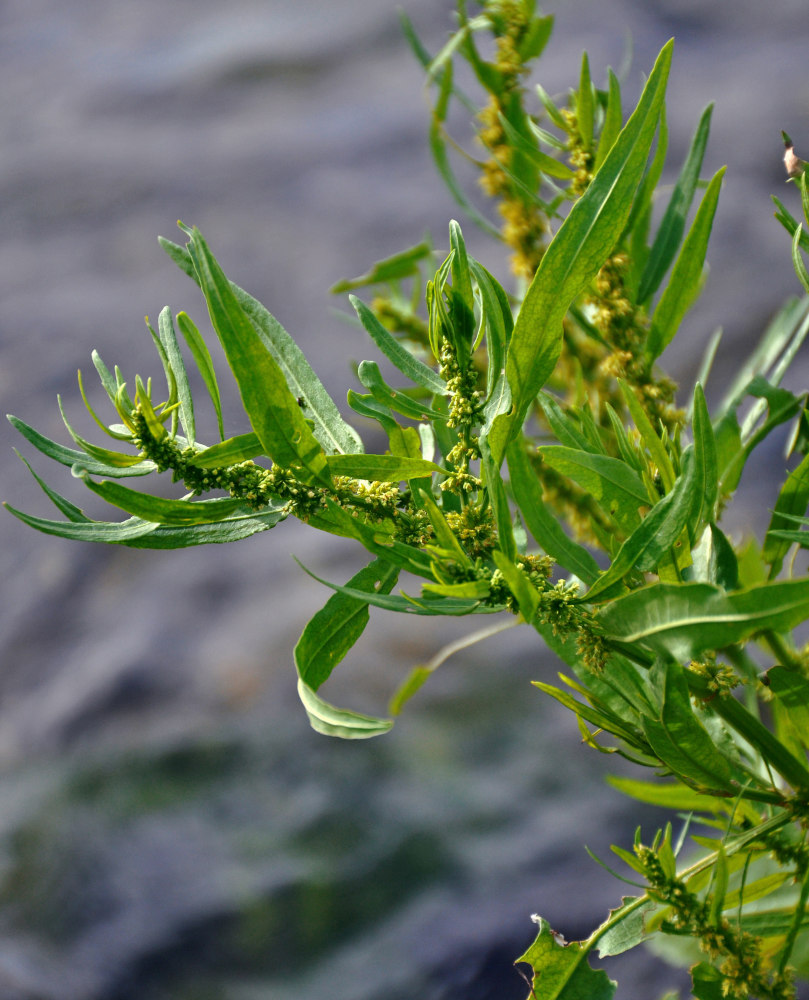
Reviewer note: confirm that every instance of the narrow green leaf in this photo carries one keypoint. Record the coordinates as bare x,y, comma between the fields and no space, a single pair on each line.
562,970
70,510
653,444
438,147
574,257
332,631
679,739
382,468
542,524
241,448
797,260
585,108
612,120
407,364
202,357
686,275
566,430
499,503
657,533
331,721
160,510
498,322
71,457
371,377
705,476
110,386
231,529
85,531
545,163
410,605
672,225
535,38
793,499
270,405
617,488
519,585
668,795
165,327
686,619
394,268
714,560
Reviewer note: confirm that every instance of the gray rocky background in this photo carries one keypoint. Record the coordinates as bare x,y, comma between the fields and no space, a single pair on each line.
170,828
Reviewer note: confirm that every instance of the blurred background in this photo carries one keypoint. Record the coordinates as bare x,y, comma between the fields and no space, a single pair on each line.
170,827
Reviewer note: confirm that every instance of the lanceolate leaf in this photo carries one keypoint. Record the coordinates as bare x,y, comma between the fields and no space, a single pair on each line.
71,457
681,742
86,531
407,364
273,410
672,225
333,630
202,357
651,540
163,511
684,620
580,247
231,529
562,970
241,448
617,488
382,468
686,274
333,433
331,721
394,268
793,499
541,523
168,338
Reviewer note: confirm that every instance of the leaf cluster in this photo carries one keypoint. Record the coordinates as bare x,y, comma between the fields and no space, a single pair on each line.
536,467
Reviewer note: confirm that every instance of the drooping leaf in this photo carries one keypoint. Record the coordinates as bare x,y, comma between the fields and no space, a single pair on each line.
160,510
85,531
394,268
71,457
332,631
332,721
230,529
580,247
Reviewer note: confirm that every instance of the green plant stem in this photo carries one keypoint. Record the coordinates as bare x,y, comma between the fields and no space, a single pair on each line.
785,655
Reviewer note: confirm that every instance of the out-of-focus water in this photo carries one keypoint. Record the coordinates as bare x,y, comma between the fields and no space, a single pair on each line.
170,826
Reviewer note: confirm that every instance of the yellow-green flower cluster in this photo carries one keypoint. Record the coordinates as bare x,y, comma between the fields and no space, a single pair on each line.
744,969
525,227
